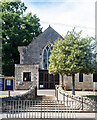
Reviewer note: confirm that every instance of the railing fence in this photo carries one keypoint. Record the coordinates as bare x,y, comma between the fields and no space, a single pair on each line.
39,109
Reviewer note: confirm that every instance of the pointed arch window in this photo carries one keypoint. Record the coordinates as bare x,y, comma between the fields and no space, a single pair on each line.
46,54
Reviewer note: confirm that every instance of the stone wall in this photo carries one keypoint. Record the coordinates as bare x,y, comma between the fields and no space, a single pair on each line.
29,95
87,83
19,69
80,103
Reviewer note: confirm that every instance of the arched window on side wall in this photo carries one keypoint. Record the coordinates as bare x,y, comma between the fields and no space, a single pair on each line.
95,77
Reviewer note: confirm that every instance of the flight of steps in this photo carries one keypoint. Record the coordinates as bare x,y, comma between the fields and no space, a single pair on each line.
48,104
45,98
41,107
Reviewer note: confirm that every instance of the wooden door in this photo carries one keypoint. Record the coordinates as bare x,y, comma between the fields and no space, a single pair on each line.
47,81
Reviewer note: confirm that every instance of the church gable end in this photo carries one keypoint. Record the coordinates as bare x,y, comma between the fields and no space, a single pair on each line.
32,53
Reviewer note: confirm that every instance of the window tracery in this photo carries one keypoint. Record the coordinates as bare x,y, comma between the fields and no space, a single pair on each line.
45,56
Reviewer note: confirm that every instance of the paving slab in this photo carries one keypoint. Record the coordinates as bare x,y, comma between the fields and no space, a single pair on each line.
46,92
52,119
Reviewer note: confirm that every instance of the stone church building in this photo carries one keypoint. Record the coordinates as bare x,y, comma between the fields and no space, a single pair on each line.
33,67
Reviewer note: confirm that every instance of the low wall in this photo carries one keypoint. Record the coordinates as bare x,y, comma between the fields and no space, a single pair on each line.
29,95
83,103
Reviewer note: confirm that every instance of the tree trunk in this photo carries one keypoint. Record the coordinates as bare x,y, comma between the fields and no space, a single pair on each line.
73,84
62,80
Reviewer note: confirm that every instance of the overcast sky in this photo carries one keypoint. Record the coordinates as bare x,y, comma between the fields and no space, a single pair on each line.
64,15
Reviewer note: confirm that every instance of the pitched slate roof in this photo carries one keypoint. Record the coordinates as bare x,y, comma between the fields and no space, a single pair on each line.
33,50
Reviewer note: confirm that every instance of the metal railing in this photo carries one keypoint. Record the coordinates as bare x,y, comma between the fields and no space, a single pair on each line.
39,109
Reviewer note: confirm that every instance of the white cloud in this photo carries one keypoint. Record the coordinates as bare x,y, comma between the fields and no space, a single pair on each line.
63,16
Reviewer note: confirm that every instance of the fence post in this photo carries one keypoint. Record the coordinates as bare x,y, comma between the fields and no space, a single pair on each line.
67,100
7,107
41,109
82,103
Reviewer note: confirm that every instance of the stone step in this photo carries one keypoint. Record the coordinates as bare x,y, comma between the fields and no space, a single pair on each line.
50,107
57,110
45,98
49,104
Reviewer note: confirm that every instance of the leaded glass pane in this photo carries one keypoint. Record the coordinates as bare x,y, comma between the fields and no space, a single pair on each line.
46,54
48,57
45,59
47,48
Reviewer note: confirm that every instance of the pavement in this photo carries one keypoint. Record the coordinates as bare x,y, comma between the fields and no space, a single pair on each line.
12,93
52,119
82,116
45,92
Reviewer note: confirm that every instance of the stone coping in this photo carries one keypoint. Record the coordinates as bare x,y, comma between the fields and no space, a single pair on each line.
74,96
28,95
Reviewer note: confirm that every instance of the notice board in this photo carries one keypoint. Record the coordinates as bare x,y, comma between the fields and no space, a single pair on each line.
1,83
6,83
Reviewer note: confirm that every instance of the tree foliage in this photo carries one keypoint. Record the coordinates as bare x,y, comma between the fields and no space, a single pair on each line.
72,55
17,30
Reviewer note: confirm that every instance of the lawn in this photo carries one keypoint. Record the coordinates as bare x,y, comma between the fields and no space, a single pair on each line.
89,94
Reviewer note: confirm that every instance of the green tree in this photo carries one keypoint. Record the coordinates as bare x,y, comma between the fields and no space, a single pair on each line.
73,55
18,29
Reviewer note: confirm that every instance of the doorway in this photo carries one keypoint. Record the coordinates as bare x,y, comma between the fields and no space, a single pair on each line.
47,81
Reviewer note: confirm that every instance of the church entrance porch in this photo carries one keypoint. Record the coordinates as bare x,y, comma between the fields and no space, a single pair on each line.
47,81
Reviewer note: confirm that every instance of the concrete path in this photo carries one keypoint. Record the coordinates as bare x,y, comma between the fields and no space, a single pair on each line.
82,116
53,119
12,93
46,92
